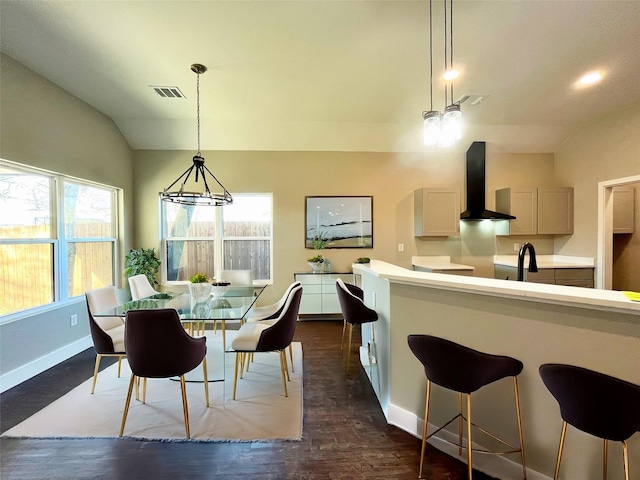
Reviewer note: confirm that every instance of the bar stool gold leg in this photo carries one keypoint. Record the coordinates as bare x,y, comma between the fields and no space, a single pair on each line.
460,424
605,454
564,431
517,397
625,456
349,347
424,428
469,450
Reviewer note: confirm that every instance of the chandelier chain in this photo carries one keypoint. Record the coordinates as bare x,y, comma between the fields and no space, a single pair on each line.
198,108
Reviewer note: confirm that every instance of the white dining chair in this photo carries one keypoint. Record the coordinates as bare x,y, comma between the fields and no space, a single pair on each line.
140,287
237,277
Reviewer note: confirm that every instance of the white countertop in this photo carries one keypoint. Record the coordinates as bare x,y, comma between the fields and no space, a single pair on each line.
590,298
438,263
546,261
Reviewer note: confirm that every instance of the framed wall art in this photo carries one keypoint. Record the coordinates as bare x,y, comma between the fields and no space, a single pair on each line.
339,222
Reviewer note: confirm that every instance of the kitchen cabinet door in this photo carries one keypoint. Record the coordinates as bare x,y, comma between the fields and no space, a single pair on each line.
522,203
623,209
436,212
555,211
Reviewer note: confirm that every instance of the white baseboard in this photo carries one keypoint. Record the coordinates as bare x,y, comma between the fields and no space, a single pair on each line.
494,465
15,377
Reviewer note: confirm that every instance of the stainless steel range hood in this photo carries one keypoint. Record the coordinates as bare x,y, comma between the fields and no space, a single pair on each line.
476,187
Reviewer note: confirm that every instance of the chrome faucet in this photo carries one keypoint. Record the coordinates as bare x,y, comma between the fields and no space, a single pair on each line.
533,265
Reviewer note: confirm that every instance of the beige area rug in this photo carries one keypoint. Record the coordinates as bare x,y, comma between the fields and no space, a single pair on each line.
260,411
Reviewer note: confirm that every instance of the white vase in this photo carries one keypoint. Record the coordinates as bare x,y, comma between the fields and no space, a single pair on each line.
315,266
200,291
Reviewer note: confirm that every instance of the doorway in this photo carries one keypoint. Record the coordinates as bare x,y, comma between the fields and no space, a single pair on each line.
604,263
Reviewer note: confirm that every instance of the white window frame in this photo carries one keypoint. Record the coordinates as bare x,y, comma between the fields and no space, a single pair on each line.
58,240
218,241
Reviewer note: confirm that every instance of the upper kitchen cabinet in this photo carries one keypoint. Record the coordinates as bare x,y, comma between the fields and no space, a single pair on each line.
623,209
522,203
436,212
538,211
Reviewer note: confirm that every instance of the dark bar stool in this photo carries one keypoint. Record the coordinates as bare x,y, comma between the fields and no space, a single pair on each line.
603,406
354,311
464,370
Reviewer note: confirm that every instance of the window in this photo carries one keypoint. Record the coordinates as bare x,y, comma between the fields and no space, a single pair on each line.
203,239
57,237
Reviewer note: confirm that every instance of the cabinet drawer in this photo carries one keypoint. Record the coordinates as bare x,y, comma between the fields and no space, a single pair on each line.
311,289
574,274
576,283
544,275
308,279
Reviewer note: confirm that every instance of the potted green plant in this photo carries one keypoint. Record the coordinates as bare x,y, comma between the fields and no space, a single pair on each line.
363,260
199,287
142,261
316,263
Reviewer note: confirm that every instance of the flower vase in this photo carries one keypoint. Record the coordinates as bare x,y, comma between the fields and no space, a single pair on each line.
200,291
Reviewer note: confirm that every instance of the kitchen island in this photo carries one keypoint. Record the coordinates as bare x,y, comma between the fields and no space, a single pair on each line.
536,323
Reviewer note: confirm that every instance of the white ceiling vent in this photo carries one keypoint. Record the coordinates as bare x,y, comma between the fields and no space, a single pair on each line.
471,100
168,92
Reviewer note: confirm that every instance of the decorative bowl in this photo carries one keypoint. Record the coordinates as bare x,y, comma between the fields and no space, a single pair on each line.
200,291
220,288
316,267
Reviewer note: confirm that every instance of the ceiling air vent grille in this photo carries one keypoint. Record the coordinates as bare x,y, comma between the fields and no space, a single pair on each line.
168,92
471,100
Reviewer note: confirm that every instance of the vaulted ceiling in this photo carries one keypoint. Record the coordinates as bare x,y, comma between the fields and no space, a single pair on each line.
331,75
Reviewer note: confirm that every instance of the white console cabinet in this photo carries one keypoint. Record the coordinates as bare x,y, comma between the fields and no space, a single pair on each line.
319,294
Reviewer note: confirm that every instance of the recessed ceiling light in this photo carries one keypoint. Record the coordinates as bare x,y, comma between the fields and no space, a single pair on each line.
590,78
451,74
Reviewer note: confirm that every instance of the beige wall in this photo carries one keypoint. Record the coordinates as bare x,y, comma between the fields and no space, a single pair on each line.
43,126
606,149
390,177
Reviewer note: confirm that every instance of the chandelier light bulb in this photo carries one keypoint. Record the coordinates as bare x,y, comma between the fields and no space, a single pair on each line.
451,74
431,127
452,121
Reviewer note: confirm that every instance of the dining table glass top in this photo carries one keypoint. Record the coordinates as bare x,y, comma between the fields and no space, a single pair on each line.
233,304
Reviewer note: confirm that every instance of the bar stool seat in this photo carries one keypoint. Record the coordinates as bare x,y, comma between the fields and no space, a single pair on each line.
603,406
464,370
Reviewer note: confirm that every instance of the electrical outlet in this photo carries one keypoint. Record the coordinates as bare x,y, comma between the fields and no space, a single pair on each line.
401,247
516,247
74,320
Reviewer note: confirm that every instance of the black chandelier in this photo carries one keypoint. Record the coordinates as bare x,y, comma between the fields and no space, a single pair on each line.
206,197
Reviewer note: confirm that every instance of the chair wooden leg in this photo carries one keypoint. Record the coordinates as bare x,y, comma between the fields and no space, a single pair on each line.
126,403
344,328
286,365
625,457
460,424
424,428
605,452
283,368
291,355
144,390
517,398
185,408
564,431
119,365
206,381
349,347
469,450
95,372
235,376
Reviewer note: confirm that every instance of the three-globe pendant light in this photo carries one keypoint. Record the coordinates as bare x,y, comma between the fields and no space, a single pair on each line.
442,129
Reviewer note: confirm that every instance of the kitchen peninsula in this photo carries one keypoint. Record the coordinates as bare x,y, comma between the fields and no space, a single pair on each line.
536,323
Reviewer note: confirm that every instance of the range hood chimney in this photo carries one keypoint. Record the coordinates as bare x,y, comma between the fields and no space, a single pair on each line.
476,187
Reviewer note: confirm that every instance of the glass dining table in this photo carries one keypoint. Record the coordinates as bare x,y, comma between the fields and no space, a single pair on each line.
231,305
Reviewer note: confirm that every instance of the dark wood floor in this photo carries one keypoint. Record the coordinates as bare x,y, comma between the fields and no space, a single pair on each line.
345,435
